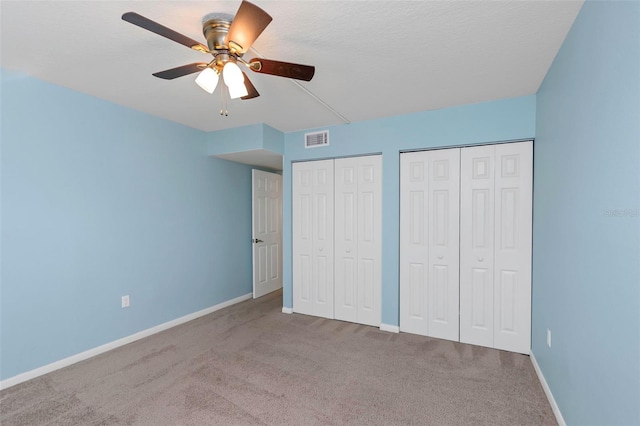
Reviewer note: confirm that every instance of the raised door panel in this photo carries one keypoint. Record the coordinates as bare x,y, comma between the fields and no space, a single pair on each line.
302,238
267,232
346,244
512,287
369,237
443,240
323,238
260,214
477,245
274,231
358,246
414,242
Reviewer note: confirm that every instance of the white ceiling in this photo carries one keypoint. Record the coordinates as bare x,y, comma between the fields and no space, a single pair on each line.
372,58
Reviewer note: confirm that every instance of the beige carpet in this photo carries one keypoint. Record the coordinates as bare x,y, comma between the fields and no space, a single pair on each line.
252,364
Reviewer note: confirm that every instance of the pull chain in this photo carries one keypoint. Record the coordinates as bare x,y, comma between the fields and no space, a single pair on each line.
223,103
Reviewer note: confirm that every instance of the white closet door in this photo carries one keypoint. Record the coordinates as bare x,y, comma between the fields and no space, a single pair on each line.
414,246
322,219
346,239
495,246
358,248
476,245
369,239
302,235
429,243
313,238
444,250
512,282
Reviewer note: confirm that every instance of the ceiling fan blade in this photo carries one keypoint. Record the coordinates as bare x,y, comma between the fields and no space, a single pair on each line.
154,27
251,90
283,69
246,26
172,73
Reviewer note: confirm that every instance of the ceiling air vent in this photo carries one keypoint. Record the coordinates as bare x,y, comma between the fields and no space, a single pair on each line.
316,139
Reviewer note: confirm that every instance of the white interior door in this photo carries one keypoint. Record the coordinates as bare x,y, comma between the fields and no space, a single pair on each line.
369,240
513,216
444,250
267,232
414,244
476,245
465,244
313,235
346,239
429,243
302,236
495,246
358,242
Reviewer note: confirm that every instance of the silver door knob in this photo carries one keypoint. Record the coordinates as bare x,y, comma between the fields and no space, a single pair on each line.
480,259
320,249
440,257
257,241
348,250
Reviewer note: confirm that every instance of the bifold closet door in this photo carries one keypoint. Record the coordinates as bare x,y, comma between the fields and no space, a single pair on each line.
429,243
313,234
495,246
358,248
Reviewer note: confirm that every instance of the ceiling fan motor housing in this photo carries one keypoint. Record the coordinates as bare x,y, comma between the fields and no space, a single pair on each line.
215,27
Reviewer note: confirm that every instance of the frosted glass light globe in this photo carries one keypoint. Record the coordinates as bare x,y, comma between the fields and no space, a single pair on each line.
232,74
208,80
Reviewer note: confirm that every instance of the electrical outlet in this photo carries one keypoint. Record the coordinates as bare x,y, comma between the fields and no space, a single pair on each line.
125,301
548,337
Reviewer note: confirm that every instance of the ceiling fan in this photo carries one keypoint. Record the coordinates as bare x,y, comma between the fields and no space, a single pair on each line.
228,39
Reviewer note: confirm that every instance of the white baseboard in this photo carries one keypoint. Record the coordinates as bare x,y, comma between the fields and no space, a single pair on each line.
547,391
286,310
23,377
390,328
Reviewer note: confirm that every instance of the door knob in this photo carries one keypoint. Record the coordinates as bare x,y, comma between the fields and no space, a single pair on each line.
257,241
480,259
348,250
320,249
440,257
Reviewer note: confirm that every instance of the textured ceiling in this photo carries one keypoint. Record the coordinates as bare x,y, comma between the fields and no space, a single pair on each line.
372,58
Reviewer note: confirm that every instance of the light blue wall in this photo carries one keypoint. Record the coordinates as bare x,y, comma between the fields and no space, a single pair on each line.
505,120
245,138
586,244
99,201
273,139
